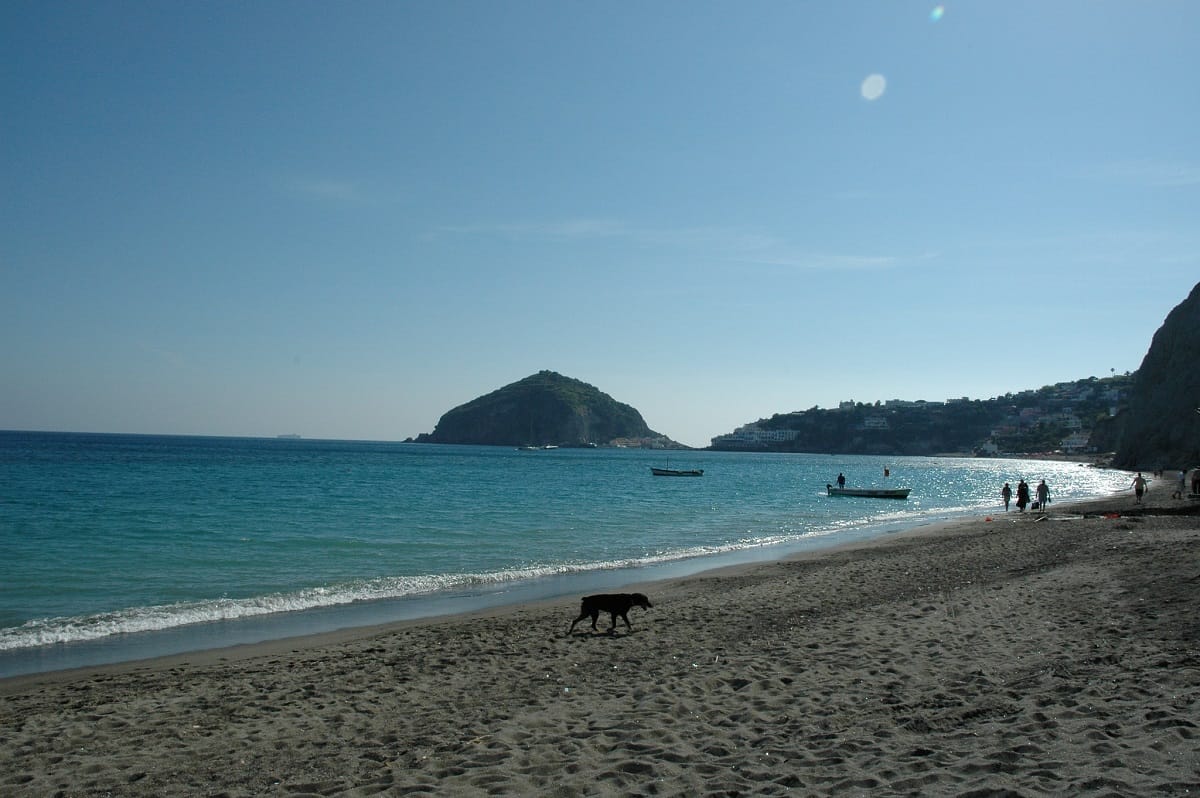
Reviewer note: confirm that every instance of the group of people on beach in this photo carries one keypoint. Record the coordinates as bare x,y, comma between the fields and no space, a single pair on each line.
1023,499
1140,484
1183,483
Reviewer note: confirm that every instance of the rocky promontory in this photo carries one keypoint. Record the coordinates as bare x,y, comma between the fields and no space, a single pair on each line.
545,409
1161,426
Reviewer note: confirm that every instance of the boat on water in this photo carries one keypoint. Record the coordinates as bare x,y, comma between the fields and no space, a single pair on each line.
869,493
675,472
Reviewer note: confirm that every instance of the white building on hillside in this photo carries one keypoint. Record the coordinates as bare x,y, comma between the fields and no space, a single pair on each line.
750,435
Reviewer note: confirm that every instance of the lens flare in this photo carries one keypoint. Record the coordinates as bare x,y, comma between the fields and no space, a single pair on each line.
936,13
874,87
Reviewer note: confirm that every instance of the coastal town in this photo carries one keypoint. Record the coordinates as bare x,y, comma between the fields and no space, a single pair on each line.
1055,419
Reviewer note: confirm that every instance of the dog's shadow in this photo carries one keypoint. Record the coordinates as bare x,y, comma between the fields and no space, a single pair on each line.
603,634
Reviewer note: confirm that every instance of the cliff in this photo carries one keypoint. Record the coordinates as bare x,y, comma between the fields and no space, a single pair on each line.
1160,428
545,408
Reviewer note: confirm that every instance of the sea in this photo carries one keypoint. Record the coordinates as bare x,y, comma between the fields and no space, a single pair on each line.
120,547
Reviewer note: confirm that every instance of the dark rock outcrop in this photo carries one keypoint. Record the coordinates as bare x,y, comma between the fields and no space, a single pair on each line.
543,409
1161,426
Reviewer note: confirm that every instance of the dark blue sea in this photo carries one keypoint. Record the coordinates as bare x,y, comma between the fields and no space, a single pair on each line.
115,547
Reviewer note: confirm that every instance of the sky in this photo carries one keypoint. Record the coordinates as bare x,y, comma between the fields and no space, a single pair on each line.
341,220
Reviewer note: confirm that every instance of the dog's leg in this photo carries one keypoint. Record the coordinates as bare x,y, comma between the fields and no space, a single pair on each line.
595,617
584,612
625,618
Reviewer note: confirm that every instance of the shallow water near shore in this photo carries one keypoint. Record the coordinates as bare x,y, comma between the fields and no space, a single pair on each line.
119,547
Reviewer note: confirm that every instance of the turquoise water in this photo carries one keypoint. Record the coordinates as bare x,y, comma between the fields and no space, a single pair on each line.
106,536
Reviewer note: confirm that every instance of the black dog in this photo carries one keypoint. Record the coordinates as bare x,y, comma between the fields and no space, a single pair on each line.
615,604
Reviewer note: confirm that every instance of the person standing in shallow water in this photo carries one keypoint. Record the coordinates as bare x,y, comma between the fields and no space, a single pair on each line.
841,480
1006,494
1022,495
1139,487
1043,495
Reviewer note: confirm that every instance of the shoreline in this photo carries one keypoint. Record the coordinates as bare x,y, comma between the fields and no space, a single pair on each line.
236,632
375,575
317,623
457,606
1023,655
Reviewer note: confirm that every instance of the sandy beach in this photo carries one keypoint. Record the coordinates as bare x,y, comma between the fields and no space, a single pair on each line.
1022,655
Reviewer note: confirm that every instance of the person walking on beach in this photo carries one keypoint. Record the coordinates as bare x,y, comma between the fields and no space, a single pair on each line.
1006,494
1196,479
1178,494
1043,495
1139,486
1022,495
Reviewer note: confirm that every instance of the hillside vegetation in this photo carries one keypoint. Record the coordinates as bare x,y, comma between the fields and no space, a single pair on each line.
544,409
1036,421
1148,420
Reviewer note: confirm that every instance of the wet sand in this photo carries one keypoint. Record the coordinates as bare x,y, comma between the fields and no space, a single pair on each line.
1025,655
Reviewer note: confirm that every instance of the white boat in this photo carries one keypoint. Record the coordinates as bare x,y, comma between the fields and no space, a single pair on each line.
674,472
869,493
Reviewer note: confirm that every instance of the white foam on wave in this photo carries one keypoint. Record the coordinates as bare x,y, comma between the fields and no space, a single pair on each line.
50,631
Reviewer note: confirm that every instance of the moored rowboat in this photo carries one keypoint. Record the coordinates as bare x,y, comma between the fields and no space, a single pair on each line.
671,472
870,493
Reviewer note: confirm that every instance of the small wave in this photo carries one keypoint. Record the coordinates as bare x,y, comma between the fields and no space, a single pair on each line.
40,632
51,631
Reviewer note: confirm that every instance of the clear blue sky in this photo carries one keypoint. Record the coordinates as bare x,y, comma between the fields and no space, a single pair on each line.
343,219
